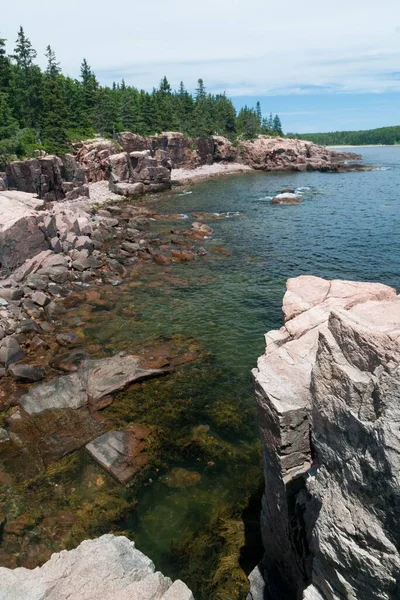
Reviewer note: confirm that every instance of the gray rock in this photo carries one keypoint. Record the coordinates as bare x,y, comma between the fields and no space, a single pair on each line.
27,325
32,309
38,282
11,294
26,373
84,242
10,351
121,453
40,299
67,339
130,247
55,244
93,380
58,274
107,568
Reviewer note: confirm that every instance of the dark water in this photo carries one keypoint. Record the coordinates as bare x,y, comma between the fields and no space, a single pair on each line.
187,521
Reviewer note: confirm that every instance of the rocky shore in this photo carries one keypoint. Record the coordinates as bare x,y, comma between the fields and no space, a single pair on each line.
68,234
327,389
133,165
110,568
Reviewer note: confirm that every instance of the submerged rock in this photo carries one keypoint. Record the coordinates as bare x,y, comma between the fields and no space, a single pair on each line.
286,198
121,453
327,389
106,568
93,380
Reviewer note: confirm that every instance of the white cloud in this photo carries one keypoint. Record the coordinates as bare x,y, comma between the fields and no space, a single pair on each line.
254,48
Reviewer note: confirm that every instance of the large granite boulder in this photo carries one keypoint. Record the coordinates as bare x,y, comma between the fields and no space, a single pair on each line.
284,154
41,176
91,157
224,150
327,389
135,173
20,235
106,568
180,150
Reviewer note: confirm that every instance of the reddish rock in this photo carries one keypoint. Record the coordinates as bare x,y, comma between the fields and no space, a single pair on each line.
284,154
182,255
122,453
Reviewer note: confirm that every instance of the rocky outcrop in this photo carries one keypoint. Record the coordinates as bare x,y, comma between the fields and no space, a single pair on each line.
182,151
327,389
107,568
138,172
91,158
41,176
284,154
20,234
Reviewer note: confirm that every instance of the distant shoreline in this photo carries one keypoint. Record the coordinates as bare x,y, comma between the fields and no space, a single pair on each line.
364,146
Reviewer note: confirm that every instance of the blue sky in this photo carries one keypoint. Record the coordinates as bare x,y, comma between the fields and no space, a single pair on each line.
320,66
330,112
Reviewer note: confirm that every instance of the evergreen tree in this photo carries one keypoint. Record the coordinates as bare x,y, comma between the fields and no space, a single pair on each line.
259,113
90,87
54,116
277,125
48,110
200,90
5,68
24,53
26,93
247,123
8,125
53,67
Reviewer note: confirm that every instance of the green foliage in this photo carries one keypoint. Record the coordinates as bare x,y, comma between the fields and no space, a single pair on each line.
383,135
47,110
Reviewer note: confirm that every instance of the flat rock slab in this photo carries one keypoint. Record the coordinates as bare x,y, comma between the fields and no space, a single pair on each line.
121,453
93,380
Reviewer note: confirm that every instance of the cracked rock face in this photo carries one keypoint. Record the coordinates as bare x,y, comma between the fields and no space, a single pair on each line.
107,568
329,403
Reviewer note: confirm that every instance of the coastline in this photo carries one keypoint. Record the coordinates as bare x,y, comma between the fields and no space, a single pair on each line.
364,146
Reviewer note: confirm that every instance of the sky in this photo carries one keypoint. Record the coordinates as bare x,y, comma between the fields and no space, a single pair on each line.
322,66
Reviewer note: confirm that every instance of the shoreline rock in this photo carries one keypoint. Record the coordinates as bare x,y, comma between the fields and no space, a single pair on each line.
106,568
326,390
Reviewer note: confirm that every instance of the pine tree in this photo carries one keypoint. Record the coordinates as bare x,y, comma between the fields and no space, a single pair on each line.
200,90
90,87
259,113
53,67
25,54
277,125
54,134
27,89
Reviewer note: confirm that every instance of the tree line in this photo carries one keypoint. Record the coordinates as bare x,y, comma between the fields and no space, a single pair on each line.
383,135
48,110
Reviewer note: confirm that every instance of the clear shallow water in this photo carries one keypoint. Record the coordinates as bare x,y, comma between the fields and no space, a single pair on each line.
347,227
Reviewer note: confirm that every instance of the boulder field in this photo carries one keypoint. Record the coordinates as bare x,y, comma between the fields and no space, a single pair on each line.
328,394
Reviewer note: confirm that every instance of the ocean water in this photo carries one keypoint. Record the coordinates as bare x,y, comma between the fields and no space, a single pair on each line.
192,515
